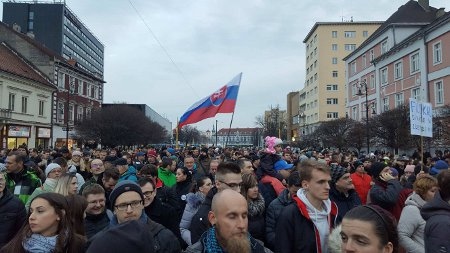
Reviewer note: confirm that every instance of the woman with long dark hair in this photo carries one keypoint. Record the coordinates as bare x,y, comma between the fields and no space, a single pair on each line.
182,188
49,228
256,206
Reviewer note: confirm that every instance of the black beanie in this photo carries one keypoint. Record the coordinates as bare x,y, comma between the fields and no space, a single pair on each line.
376,169
124,186
337,172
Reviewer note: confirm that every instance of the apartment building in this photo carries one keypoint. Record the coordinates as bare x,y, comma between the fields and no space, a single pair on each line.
323,96
407,57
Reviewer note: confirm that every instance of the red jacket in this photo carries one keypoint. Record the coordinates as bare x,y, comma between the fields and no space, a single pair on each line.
362,185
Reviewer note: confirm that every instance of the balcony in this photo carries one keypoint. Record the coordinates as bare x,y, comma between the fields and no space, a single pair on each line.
5,114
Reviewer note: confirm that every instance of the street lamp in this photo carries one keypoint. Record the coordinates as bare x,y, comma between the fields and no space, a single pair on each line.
363,84
69,92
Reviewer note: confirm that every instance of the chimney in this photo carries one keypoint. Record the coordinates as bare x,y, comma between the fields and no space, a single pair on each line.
16,27
425,4
72,61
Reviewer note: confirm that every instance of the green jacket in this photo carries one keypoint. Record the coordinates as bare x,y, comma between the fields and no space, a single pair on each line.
22,184
167,177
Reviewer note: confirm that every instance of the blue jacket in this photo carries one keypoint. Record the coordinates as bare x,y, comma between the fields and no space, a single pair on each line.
437,215
130,174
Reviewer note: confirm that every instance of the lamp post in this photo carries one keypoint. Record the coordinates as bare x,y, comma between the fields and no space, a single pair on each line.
363,84
69,92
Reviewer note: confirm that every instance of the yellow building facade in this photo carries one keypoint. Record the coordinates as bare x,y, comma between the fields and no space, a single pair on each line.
323,96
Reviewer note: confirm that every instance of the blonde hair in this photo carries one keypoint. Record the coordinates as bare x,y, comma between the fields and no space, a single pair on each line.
423,184
63,184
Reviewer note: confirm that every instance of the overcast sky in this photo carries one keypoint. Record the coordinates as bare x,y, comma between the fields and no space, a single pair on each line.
211,41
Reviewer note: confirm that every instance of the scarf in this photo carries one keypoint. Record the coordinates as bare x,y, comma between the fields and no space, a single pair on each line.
211,245
256,206
40,244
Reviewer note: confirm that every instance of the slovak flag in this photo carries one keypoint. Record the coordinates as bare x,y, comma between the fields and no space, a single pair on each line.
221,101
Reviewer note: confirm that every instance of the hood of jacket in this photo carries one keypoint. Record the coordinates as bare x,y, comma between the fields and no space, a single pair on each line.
437,206
415,200
165,172
314,214
284,197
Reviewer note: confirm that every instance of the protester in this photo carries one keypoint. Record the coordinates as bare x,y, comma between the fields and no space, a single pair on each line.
193,202
256,207
97,216
126,172
312,214
167,172
12,212
411,225
228,233
182,188
67,185
361,180
436,213
52,172
276,207
49,228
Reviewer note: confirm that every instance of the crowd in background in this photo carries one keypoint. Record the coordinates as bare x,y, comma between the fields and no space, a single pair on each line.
210,199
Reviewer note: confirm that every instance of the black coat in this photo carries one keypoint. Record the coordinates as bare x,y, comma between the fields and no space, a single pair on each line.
200,222
257,226
163,214
95,223
437,215
295,232
12,216
181,190
273,213
344,203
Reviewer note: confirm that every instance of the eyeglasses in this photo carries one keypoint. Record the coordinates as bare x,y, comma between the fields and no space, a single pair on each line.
124,206
148,194
232,185
96,165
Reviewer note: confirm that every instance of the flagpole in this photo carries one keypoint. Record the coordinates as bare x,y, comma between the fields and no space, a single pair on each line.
176,136
229,129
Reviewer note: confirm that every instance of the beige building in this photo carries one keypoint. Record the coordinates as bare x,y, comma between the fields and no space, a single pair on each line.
323,96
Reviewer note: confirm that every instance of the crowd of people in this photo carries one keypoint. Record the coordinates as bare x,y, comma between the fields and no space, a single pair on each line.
235,200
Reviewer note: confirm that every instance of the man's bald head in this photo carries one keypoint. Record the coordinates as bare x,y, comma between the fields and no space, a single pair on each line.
227,196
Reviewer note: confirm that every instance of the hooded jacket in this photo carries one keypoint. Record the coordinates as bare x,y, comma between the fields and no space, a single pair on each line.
167,177
130,174
436,213
273,213
193,202
302,228
12,216
200,222
411,225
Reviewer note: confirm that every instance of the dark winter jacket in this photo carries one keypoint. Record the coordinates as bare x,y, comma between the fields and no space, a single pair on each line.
344,203
198,247
268,193
96,223
200,222
256,218
296,232
437,215
273,212
266,166
12,216
181,189
385,194
164,215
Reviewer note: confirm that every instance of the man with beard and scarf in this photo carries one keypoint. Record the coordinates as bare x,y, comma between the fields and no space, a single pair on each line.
97,216
228,233
304,225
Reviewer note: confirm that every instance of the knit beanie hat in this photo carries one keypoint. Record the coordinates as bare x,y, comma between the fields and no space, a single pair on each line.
376,169
51,167
337,172
438,167
271,142
409,168
394,172
124,186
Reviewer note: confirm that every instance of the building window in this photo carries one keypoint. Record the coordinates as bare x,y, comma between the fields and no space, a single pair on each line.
334,47
399,100
398,70
414,59
349,34
384,76
439,93
88,113
335,73
61,80
350,47
89,90
355,112
60,111
80,88
70,112
96,92
11,101
384,47
364,61
41,108
334,34
315,64
371,55
332,87
386,104
24,104
354,89
80,113
353,67
315,51
365,34
415,93
372,81
332,101
332,115
334,60
437,53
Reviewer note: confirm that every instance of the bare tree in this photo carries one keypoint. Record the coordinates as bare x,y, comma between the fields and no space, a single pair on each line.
273,123
335,133
189,134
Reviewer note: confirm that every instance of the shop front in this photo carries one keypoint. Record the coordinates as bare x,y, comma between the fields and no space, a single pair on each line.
15,135
43,137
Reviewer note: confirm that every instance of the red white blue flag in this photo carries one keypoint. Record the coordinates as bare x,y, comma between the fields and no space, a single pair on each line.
221,101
